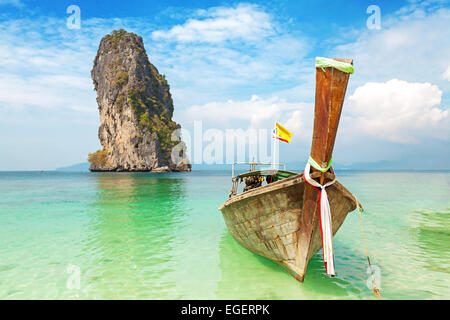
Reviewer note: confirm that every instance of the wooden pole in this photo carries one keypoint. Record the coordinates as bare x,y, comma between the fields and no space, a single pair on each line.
331,85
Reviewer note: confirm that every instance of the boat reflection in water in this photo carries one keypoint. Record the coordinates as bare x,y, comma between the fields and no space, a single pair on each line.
246,275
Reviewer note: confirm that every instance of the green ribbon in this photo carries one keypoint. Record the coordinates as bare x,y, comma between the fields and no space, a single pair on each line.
327,62
316,166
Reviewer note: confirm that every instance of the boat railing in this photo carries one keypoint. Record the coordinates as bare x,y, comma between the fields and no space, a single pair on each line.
235,180
253,166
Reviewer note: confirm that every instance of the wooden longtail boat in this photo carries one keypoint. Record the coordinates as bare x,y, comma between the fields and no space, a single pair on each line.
280,220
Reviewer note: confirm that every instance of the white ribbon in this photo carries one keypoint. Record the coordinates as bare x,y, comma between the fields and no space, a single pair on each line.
325,221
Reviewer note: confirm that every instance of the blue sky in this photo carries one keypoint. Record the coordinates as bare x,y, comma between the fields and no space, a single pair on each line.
232,65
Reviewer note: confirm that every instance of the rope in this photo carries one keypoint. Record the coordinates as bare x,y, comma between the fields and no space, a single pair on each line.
326,225
327,62
375,290
316,166
325,220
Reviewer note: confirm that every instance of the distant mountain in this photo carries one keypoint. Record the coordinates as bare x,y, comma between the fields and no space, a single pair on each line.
79,167
384,165
400,165
292,166
377,165
211,166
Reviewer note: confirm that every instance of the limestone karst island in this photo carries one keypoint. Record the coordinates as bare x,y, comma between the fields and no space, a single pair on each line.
135,105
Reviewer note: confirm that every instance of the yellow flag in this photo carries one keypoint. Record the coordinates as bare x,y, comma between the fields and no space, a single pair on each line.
282,133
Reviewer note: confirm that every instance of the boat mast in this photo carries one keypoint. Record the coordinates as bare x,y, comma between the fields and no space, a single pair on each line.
275,148
331,85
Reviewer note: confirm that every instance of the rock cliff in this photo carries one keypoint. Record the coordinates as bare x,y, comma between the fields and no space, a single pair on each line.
135,105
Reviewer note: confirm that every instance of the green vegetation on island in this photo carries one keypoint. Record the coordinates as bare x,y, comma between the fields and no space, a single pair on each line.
98,158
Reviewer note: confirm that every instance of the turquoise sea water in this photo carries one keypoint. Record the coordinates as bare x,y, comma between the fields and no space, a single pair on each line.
160,236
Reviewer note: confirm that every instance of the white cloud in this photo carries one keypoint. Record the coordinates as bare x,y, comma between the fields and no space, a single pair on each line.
446,74
47,91
407,111
246,22
399,111
16,3
45,65
419,8
34,48
255,113
411,45
297,123
202,64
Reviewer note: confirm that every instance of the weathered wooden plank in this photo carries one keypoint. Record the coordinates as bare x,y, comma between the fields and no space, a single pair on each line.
331,85
275,235
280,221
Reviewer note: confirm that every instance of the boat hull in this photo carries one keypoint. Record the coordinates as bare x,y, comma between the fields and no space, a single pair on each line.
268,221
